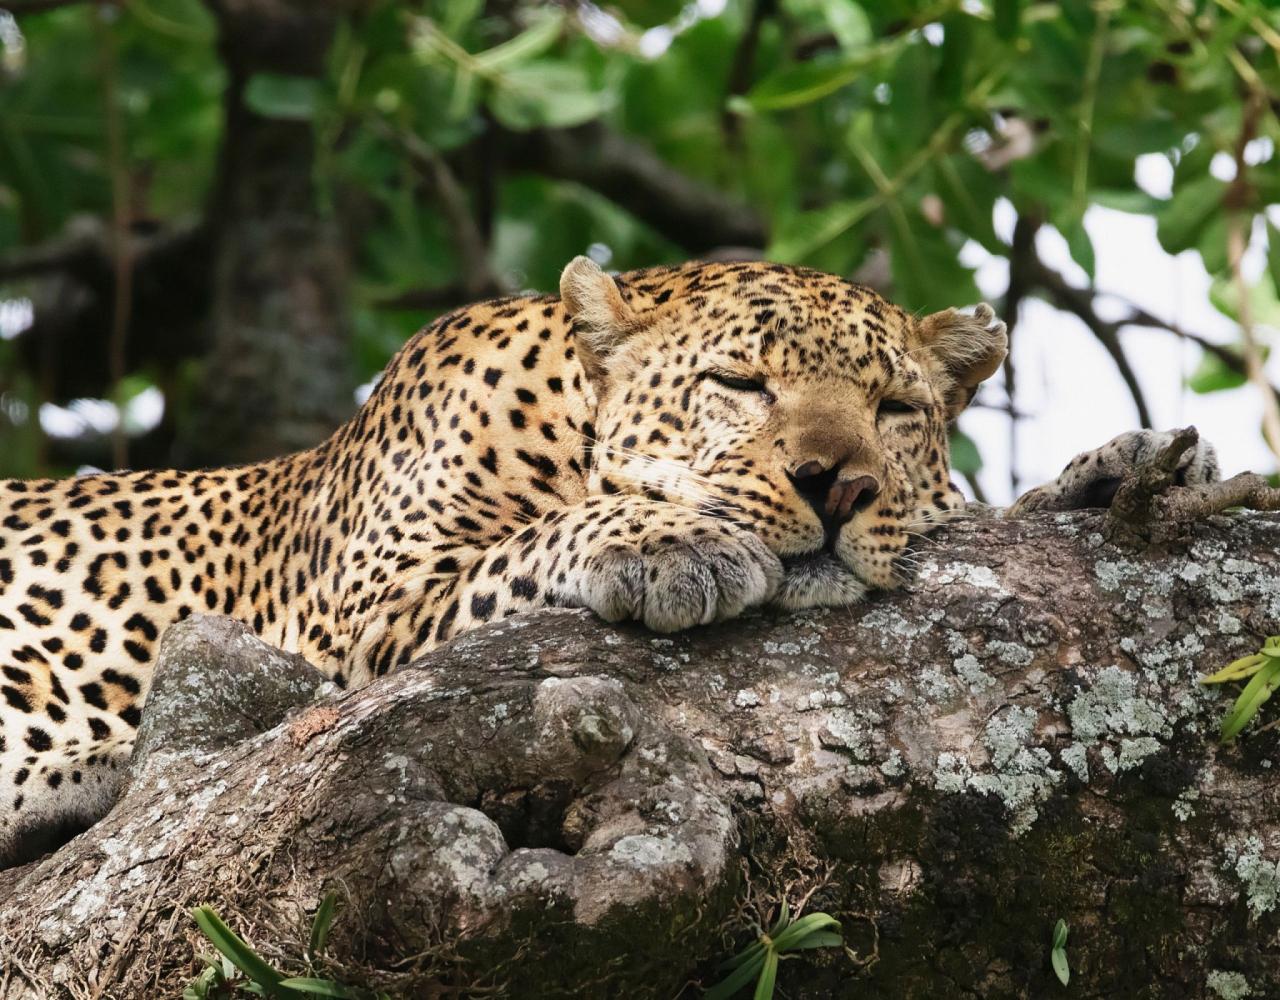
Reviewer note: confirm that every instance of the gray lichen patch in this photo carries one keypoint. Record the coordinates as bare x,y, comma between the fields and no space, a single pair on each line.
972,674
1113,707
976,576
1259,877
1228,985
1020,775
851,731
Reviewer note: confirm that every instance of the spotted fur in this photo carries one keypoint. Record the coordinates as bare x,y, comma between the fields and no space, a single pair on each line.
671,446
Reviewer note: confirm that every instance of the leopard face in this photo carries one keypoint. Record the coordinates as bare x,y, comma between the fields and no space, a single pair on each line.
799,405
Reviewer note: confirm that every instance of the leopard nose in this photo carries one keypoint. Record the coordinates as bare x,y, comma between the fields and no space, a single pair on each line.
848,496
833,499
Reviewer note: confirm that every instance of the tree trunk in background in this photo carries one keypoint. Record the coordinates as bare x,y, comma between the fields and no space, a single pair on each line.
554,807
279,377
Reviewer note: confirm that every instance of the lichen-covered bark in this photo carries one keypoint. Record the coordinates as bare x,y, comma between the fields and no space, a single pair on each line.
552,806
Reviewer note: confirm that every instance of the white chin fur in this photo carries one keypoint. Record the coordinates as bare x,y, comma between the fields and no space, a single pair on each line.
820,582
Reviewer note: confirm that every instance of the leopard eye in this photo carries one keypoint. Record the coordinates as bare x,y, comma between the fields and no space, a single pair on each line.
896,406
737,383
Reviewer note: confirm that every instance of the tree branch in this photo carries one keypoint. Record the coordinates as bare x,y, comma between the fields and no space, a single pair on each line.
1021,254
19,7
80,248
1059,289
692,215
1236,200
1079,302
478,279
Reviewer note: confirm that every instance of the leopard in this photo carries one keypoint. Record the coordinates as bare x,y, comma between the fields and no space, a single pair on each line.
671,446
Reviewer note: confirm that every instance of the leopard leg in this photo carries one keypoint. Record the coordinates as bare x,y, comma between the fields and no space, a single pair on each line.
623,556
1092,478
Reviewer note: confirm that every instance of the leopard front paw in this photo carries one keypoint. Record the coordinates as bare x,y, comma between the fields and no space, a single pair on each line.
1092,478
684,576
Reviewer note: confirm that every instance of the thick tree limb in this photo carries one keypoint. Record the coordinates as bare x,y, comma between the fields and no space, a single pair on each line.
551,806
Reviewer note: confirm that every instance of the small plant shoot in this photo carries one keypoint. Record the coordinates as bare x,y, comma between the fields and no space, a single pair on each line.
1262,670
242,971
759,961
1058,953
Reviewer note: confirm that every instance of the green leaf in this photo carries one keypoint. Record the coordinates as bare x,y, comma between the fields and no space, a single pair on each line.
802,928
1061,968
274,95
1264,302
819,939
1131,200
849,23
1213,375
965,457
1129,138
1058,952
748,953
736,980
1180,222
1008,14
802,234
768,977
321,988
1237,670
803,83
1252,698
1081,247
323,921
784,919
531,42
230,944
198,988
546,94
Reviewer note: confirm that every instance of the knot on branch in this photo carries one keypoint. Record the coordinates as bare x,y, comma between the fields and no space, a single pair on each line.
1151,507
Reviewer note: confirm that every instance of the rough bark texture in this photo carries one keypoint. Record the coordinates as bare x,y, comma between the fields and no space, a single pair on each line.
552,806
279,268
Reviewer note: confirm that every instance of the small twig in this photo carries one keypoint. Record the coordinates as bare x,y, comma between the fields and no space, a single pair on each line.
1084,143
478,276
1236,200
744,59
1021,253
64,253
1079,302
1248,490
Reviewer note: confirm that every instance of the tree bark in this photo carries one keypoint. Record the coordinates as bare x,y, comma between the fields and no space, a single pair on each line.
551,806
280,376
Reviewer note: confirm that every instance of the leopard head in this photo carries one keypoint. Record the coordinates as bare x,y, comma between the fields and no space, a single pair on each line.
795,403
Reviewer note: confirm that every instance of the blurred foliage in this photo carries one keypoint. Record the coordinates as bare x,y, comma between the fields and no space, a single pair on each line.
849,127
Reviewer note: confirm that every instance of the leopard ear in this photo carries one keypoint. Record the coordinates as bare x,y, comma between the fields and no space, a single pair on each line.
602,320
967,350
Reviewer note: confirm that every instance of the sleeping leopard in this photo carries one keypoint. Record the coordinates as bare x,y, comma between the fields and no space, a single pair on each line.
671,446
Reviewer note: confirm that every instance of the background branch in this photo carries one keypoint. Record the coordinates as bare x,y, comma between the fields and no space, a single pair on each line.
1239,219
692,215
